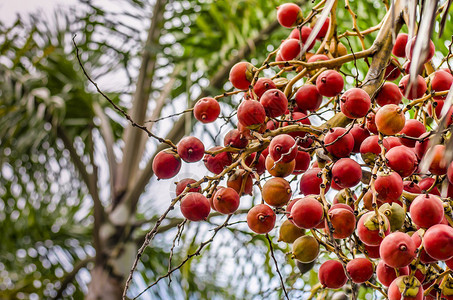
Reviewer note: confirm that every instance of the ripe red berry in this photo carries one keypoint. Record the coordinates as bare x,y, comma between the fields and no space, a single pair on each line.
308,98
261,218
241,75
339,142
399,48
430,53
392,72
195,207
183,183
290,49
226,200
355,103
390,119
402,160
283,148
386,274
343,221
441,81
389,187
438,241
323,31
397,250
190,149
370,148
331,274
166,164
251,114
310,182
417,90
262,85
216,163
235,139
389,94
412,128
360,269
426,210
346,173
438,164
289,15
368,228
329,83
306,213
206,110
274,102
360,133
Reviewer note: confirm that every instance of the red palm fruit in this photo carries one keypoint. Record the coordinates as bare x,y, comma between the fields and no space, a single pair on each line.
294,119
411,187
389,187
346,173
236,179
166,164
261,218
226,200
317,57
274,102
449,263
206,110
278,58
450,173
302,162
329,83
393,141
412,128
368,201
360,269
372,251
370,148
427,210
441,81
335,186
276,192
279,169
371,122
397,250
417,90
290,206
402,160
431,50
272,125
289,15
282,148
260,166
323,31
438,241
399,48
301,34
438,165
251,114
424,257
308,98
438,105
338,142
262,85
290,49
426,183
306,213
405,288
331,274
389,94
386,274
343,222
216,163
190,149
355,103
310,182
241,75
341,205
182,184
390,119
359,133
392,72
235,139
245,132
368,228
422,147
195,207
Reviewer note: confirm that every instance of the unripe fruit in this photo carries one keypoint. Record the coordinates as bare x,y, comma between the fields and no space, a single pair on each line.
402,160
329,83
399,48
310,182
397,250
195,207
355,103
305,267
441,81
370,148
438,165
282,148
427,210
274,102
405,288
343,222
289,15
417,90
166,164
276,192
261,218
182,184
306,213
368,228
346,173
340,49
308,98
190,149
235,139
394,213
262,85
359,133
389,94
389,187
279,169
302,162
386,274
331,274
289,232
206,110
431,50
236,180
412,128
338,142
290,49
390,119
360,269
305,249
251,114
218,162
226,201
392,72
241,75
438,241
